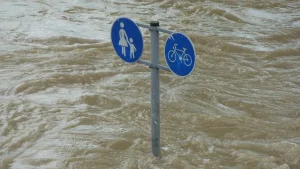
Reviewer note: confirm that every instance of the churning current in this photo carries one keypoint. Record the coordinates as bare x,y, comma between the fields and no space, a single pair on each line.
68,101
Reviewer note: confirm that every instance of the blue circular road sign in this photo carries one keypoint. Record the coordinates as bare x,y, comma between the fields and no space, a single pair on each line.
127,40
180,54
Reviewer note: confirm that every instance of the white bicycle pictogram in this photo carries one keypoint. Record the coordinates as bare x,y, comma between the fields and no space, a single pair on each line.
183,57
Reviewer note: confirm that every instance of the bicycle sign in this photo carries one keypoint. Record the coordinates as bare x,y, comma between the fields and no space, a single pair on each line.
180,54
183,57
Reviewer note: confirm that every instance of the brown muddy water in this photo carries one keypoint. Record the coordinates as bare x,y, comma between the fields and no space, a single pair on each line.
68,101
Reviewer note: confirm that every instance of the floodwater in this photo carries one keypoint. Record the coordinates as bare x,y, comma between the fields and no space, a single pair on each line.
68,101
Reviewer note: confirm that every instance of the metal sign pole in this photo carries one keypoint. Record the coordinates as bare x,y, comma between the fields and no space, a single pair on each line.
179,53
155,97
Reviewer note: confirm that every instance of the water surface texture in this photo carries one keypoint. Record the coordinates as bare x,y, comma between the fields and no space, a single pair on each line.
68,101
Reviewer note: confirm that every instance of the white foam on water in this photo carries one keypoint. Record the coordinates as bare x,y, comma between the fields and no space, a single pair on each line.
296,23
55,96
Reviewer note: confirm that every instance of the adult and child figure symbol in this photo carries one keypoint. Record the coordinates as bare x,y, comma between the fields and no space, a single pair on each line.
124,42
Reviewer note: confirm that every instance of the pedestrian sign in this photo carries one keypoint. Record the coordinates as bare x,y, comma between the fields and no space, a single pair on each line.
180,54
127,40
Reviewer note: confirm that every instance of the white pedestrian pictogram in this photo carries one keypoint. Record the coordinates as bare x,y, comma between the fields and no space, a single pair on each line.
123,39
132,48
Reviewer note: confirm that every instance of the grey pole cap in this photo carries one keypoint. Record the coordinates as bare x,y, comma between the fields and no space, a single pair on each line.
154,23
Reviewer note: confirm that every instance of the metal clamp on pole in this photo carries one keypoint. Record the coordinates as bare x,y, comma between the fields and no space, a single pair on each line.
155,97
159,66
153,66
154,28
